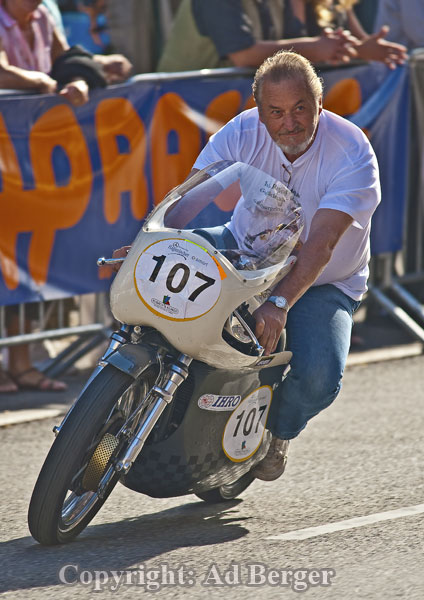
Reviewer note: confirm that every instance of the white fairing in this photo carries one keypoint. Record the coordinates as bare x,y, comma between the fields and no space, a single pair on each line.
178,282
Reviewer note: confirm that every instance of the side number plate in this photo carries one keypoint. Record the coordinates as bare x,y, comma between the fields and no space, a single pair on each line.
245,428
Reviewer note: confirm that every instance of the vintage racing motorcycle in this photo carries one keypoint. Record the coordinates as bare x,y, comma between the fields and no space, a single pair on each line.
179,401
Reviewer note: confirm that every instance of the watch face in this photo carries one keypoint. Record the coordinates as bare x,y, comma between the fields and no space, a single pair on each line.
279,301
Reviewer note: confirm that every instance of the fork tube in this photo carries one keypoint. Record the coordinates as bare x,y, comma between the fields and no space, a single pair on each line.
178,373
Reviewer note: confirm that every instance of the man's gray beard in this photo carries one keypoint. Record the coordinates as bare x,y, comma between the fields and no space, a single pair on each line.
299,149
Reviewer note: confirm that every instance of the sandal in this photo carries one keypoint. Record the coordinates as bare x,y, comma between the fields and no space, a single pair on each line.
38,381
7,385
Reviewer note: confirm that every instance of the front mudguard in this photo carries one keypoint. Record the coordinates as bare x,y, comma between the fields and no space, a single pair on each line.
133,359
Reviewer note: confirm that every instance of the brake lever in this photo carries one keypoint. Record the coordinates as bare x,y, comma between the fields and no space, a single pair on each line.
247,321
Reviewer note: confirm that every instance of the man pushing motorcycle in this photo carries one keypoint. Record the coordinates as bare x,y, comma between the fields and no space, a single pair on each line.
330,166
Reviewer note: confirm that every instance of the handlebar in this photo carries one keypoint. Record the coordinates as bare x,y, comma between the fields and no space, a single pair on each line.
109,261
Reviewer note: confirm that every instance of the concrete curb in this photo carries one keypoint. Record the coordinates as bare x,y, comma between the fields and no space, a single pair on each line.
355,359
383,354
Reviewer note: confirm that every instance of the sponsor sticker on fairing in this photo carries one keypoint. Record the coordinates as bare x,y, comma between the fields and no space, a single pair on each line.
218,403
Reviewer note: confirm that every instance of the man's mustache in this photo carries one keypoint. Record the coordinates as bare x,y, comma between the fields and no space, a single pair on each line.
287,132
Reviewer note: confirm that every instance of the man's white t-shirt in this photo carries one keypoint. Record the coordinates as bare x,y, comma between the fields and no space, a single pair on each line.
339,171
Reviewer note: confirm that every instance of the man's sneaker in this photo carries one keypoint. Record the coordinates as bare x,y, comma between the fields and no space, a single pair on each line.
272,466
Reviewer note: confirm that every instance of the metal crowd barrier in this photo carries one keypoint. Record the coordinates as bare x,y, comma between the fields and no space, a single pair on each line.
397,281
68,317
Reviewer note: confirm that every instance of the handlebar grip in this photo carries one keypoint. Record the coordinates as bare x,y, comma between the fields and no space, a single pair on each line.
109,261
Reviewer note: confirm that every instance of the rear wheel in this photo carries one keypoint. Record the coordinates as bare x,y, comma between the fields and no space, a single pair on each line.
65,498
227,492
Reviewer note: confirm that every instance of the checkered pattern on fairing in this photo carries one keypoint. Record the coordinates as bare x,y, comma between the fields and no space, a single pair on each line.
158,475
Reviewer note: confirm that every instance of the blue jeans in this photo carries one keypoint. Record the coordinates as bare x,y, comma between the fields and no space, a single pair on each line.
318,331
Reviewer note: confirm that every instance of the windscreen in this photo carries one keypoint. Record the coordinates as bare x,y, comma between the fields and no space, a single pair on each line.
248,215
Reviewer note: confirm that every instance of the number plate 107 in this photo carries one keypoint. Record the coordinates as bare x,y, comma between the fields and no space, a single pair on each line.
177,279
245,428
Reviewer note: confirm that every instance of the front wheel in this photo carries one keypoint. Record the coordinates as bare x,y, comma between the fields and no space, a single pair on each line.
65,498
223,493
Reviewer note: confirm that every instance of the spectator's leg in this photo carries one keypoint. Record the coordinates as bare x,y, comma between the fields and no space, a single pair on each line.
21,369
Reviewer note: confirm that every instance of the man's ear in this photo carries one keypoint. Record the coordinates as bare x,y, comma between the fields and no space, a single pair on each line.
320,105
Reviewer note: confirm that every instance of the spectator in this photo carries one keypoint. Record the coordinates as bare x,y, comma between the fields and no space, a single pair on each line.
26,30
405,21
311,17
22,374
242,34
139,29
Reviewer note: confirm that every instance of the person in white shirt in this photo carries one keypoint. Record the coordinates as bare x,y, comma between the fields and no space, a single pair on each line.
330,166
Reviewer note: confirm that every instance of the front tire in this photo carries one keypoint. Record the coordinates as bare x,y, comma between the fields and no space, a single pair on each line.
224,493
61,505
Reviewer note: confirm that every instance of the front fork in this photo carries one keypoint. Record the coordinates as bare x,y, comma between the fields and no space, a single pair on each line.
117,338
162,395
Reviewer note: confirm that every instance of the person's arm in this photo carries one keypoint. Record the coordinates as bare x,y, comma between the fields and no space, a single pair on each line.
375,47
116,67
327,228
355,25
325,48
15,78
76,91
59,45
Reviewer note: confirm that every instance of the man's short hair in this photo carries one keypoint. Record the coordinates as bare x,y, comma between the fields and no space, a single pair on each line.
286,64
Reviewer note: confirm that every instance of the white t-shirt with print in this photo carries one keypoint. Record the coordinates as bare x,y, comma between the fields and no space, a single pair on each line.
267,220
339,171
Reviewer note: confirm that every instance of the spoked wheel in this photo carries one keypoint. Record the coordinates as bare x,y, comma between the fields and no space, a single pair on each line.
227,492
66,496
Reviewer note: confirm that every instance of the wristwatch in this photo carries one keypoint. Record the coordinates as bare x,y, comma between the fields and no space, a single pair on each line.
280,302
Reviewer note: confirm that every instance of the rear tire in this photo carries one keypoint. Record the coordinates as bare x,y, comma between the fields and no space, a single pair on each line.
224,493
54,516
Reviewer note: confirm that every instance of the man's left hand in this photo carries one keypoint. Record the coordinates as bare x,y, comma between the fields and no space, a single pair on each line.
270,322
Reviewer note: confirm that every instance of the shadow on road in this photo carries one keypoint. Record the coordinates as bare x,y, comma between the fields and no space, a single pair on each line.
119,545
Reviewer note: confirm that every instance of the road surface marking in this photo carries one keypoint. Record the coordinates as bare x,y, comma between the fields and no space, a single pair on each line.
22,416
304,534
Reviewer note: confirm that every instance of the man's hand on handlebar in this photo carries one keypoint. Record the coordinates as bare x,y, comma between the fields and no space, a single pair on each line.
270,322
120,253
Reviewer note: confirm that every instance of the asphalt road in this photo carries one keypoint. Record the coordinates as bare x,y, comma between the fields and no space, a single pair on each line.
361,457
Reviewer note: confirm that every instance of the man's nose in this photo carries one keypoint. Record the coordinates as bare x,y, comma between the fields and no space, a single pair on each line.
289,122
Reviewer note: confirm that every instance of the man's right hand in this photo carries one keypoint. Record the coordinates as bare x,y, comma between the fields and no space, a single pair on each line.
43,83
120,253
